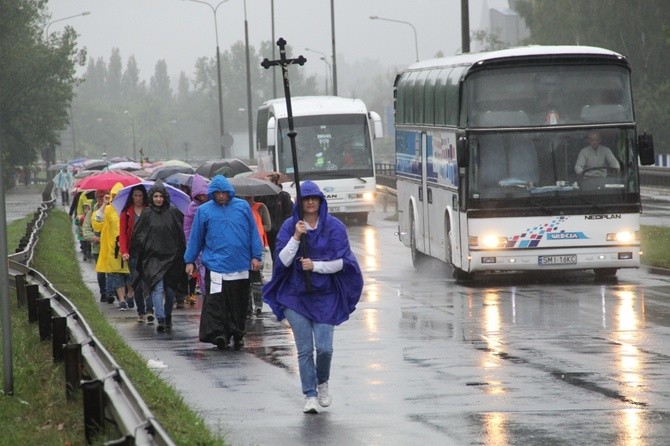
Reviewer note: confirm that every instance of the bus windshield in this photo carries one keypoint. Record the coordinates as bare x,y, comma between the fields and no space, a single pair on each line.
512,165
328,146
549,95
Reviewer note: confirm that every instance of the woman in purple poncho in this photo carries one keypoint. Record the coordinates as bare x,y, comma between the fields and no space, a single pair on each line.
335,287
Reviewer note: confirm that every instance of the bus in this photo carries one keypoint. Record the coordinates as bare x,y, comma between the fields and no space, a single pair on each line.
486,147
334,145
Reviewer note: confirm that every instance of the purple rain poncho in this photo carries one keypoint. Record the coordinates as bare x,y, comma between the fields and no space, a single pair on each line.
333,297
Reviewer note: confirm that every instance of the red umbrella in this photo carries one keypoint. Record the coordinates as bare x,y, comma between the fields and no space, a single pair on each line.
107,179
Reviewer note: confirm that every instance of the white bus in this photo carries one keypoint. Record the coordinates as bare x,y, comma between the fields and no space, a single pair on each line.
486,147
334,146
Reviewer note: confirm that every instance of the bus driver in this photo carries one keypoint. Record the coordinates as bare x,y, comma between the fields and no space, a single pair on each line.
594,159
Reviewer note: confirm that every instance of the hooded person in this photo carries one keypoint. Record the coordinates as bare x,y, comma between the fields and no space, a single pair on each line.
105,220
335,286
224,234
158,240
198,197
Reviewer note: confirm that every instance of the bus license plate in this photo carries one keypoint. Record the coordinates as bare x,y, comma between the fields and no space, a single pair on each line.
570,259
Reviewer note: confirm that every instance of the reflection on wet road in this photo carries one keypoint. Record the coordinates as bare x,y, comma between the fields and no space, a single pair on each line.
516,359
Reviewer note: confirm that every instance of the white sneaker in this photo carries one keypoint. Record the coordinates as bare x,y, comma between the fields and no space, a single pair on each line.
324,395
311,405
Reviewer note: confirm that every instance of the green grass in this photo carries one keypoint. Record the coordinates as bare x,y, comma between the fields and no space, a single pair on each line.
39,412
656,246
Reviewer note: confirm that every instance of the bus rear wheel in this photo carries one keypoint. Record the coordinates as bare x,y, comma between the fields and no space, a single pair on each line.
417,256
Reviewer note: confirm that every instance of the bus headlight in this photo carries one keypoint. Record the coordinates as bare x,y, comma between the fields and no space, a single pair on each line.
369,196
490,241
622,236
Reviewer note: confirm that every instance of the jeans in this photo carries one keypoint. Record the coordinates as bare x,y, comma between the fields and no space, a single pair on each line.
163,300
143,305
309,334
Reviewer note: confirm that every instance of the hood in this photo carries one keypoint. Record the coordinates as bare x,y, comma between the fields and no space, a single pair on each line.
219,184
115,190
159,187
310,189
198,186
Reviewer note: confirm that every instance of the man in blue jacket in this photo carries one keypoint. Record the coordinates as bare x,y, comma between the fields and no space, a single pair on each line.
224,233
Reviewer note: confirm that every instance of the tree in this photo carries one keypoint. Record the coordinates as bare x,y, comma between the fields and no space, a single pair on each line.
36,82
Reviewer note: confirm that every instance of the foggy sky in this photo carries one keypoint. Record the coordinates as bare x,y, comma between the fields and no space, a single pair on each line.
180,31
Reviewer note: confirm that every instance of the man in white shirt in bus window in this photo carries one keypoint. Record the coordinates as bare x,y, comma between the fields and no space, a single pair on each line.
594,159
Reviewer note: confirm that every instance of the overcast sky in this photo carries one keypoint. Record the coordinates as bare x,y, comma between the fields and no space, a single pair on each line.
181,31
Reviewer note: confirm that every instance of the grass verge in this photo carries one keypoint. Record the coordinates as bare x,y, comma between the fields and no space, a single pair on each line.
655,246
39,412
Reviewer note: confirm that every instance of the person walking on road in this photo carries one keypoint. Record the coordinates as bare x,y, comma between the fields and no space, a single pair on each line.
136,203
93,237
198,197
263,223
335,286
224,232
63,181
105,220
158,240
280,207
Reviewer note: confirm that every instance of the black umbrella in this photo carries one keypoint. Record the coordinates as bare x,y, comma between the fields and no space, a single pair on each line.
253,187
164,172
228,167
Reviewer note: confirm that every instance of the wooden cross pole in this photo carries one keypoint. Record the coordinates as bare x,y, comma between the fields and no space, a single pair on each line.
283,62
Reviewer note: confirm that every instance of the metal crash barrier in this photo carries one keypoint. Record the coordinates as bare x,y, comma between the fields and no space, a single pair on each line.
109,397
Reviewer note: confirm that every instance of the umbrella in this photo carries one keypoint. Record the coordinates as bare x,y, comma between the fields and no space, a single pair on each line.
180,179
95,164
180,199
164,172
85,173
176,163
120,159
253,187
125,165
228,167
283,178
107,179
56,167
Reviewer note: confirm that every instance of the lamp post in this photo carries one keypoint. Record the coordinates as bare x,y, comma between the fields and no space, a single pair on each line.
416,41
332,38
132,121
250,117
46,32
323,58
218,73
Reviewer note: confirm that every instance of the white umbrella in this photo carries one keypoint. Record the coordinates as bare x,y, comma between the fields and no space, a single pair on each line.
125,165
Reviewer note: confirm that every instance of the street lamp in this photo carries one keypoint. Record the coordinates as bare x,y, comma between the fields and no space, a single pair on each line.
416,41
132,121
46,32
218,72
323,58
250,117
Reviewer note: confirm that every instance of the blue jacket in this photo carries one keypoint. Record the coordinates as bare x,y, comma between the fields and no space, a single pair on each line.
333,297
226,235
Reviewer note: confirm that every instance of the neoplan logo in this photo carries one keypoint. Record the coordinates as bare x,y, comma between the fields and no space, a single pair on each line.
603,217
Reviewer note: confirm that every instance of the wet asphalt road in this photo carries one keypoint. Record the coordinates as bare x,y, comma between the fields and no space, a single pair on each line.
532,360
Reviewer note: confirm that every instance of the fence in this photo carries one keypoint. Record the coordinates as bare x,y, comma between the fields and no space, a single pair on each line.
108,394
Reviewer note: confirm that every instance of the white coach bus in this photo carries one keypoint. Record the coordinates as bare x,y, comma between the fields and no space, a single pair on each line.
334,146
486,148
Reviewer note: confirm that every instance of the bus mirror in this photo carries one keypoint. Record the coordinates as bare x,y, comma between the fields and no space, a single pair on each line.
271,132
645,148
462,157
377,130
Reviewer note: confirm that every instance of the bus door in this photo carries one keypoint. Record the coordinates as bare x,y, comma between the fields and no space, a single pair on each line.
425,199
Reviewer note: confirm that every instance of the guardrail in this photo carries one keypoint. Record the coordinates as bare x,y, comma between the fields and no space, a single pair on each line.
108,393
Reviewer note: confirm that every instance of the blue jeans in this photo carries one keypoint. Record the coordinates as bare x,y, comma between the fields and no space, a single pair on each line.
143,305
163,300
308,335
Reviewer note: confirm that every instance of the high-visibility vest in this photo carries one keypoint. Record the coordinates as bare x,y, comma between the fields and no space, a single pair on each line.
259,223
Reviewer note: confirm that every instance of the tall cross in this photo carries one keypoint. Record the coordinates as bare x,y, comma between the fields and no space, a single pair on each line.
284,62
